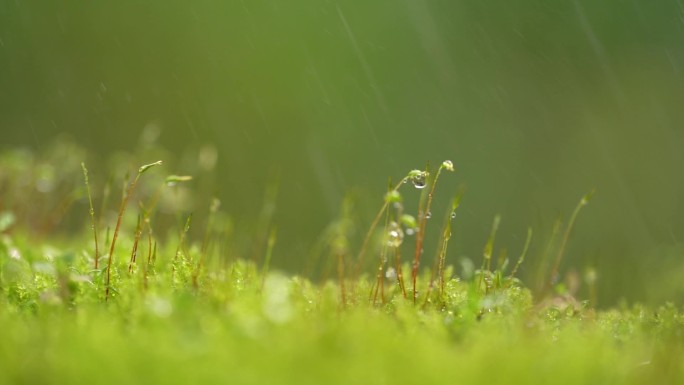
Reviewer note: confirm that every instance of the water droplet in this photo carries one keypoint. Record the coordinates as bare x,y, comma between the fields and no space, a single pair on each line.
395,236
453,214
419,179
15,254
428,215
410,231
391,273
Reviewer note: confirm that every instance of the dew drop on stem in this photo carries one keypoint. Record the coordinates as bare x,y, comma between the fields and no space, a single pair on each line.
391,273
395,235
418,178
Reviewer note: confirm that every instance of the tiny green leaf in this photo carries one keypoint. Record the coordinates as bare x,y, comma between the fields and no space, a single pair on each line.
585,199
408,221
146,167
172,180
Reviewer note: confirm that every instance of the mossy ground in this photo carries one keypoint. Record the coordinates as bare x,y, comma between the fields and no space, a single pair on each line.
166,320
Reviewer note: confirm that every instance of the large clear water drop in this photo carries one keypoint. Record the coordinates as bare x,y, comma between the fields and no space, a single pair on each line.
419,179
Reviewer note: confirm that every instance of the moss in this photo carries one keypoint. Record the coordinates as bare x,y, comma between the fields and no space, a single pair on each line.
237,321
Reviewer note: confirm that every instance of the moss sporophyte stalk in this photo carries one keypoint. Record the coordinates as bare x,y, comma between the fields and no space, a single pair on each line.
189,301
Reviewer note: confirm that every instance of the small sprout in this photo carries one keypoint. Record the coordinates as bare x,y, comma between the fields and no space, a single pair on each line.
395,235
523,254
173,180
585,199
415,173
418,178
146,167
454,205
449,165
393,196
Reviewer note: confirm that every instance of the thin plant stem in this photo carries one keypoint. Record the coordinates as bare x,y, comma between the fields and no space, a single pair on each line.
106,192
451,214
442,257
554,270
340,275
374,224
147,266
205,241
523,254
540,283
400,274
380,279
270,244
488,251
93,223
149,245
136,240
181,239
423,217
122,210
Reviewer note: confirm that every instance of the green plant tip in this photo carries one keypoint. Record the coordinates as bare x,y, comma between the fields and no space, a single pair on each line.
418,178
173,180
585,199
449,165
146,167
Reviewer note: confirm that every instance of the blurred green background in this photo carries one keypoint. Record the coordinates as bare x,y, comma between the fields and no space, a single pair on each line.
536,102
